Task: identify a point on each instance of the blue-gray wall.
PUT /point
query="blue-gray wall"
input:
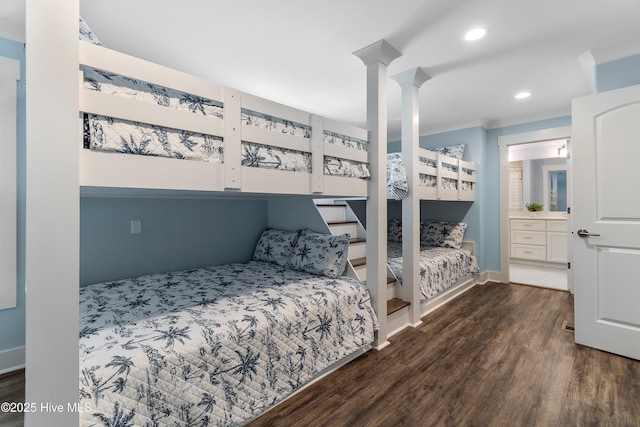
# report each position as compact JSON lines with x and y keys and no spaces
{"x":474,"y":139}
{"x":176,"y":234}
{"x":12,"y":326}
{"x":618,"y":74}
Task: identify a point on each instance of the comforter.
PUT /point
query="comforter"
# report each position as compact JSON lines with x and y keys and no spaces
{"x":439,"y":267}
{"x":212,"y":346}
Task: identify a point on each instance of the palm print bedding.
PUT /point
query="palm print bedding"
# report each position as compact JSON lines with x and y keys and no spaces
{"x":212,"y":346}
{"x":116,"y":135}
{"x":440,"y":268}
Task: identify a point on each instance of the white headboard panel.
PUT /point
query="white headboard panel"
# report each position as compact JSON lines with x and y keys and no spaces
{"x":469,"y":245}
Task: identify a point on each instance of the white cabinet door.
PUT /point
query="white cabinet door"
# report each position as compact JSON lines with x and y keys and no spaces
{"x":556,"y":246}
{"x":606,"y":221}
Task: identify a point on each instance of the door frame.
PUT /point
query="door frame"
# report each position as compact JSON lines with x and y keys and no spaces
{"x":504,"y":142}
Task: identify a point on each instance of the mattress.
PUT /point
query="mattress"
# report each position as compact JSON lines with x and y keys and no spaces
{"x":440,"y":268}
{"x":109,"y":134}
{"x":213,"y":346}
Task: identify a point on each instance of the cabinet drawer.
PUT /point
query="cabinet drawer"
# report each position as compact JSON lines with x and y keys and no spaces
{"x":560,"y":226}
{"x":528,"y":224}
{"x":529,"y":252}
{"x":529,"y":237}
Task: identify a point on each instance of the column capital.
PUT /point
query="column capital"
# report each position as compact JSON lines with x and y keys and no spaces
{"x":380,"y":51}
{"x":415,"y":76}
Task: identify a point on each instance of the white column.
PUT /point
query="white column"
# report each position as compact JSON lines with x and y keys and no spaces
{"x":410,"y":81}
{"x":377,"y":57}
{"x":9,"y":76}
{"x":52,"y":212}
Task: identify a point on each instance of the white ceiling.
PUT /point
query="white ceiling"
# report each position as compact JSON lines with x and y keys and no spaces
{"x":299,"y":52}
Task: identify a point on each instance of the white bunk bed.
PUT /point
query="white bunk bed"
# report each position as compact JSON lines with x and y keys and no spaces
{"x":440,"y":177}
{"x":145,"y":127}
{"x":235,"y":141}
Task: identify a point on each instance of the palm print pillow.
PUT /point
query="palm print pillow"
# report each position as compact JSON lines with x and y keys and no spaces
{"x":318,"y":253}
{"x":455,"y":151}
{"x":454,"y":233}
{"x":394,"y":230}
{"x":275,"y":246}
{"x":432,"y":233}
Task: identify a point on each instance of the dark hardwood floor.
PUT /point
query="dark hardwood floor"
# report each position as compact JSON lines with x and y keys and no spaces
{"x":11,"y":390}
{"x":495,"y":356}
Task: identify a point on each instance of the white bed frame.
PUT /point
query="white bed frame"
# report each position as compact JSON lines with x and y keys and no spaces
{"x":441,"y":172}
{"x":146,"y":172}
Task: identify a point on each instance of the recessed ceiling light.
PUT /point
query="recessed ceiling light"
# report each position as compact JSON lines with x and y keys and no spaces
{"x":475,"y":34}
{"x":523,"y":95}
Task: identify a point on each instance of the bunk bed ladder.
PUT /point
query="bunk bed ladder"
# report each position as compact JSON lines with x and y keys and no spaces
{"x":340,"y":219}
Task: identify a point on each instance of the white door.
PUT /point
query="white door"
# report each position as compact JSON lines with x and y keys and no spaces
{"x":606,"y":220}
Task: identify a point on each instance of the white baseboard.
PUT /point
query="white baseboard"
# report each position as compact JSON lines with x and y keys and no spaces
{"x":11,"y":360}
{"x":488,"y":276}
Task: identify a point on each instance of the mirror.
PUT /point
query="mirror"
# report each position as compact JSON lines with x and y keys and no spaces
{"x":555,"y":185}
{"x":538,"y":174}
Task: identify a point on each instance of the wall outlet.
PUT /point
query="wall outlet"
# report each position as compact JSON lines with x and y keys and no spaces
{"x":136,"y":226}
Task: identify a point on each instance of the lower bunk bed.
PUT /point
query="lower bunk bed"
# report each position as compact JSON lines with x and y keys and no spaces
{"x":218,"y":345}
{"x":447,"y":263}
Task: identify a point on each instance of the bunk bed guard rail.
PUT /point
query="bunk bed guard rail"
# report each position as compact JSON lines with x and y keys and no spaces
{"x":313,"y":137}
{"x":445,"y":178}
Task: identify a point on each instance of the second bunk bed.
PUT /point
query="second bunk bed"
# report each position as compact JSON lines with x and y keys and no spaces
{"x":446,"y":263}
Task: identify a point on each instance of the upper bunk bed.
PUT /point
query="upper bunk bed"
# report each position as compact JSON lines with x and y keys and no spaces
{"x":145,"y":126}
{"x":443,"y":175}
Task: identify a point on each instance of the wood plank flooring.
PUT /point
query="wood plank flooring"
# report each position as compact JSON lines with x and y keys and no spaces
{"x":495,"y":356}
{"x":12,"y":390}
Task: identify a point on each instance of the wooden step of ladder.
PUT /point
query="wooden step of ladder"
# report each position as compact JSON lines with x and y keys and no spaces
{"x":357,"y":262}
{"x":395,"y":304}
{"x":341,"y":227}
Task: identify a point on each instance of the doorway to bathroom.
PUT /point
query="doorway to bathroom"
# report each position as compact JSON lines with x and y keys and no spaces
{"x":535,"y":192}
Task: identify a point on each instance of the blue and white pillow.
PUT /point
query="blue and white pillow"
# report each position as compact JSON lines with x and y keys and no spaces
{"x":87,"y":35}
{"x":432,"y":233}
{"x":394,"y":230}
{"x":318,"y":253}
{"x":455,"y":151}
{"x":454,"y":234}
{"x":275,"y":246}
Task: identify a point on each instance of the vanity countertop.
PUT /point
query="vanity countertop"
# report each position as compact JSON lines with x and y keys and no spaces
{"x":539,"y":215}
